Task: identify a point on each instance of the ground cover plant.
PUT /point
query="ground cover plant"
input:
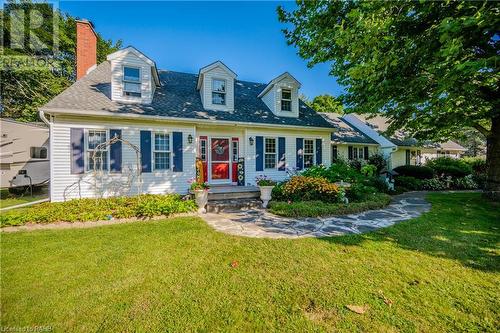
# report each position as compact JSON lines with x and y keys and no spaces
{"x":436,"y":273}
{"x":147,"y":205}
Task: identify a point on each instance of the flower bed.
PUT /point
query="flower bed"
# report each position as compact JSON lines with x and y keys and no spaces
{"x":320,"y":208}
{"x":83,"y":210}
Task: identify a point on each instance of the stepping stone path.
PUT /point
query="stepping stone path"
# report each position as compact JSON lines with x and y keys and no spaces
{"x":261,"y":224}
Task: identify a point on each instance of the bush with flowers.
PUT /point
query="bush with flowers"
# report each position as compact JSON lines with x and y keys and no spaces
{"x":303,"y":188}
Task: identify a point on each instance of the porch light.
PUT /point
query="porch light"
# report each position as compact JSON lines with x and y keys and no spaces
{"x":251,"y":141}
{"x":190,"y":139}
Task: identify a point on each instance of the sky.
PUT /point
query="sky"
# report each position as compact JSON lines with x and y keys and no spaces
{"x":185,"y":36}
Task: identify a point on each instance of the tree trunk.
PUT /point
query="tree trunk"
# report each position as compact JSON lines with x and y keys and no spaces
{"x":493,"y":160}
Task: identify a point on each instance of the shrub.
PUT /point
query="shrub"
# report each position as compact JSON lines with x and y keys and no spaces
{"x":464,"y":183}
{"x":416,"y":171}
{"x":378,"y":183}
{"x":319,"y":208}
{"x":478,"y":164}
{"x":410,"y":183}
{"x":450,"y":167}
{"x":368,"y":170}
{"x":434,"y":184}
{"x":357,"y":164}
{"x":336,"y":172}
{"x":379,"y":161}
{"x":302,"y":188}
{"x":359,"y":192}
{"x":147,"y":205}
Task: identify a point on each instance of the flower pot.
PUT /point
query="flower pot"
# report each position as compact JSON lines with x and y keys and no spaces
{"x":265,"y":194}
{"x":201,"y":198}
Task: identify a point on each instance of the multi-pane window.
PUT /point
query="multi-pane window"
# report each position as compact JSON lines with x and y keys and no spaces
{"x":38,"y":152}
{"x":203,"y":149}
{"x":360,"y":153}
{"x":335,"y":154}
{"x":219,"y":91}
{"x":97,"y":151}
{"x":162,"y":151}
{"x":270,"y":153}
{"x":354,"y":153}
{"x":286,"y":100}
{"x":308,"y":153}
{"x":132,"y":81}
{"x":234,"y":151}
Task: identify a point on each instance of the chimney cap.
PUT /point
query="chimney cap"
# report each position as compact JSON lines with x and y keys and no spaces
{"x":85,"y":21}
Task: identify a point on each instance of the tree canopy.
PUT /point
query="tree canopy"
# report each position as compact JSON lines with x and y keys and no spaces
{"x":326,"y":103}
{"x":431,"y":67}
{"x":25,"y":89}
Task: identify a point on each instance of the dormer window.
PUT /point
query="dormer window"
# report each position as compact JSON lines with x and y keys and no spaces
{"x":131,"y":81}
{"x":286,"y":100}
{"x":219,"y":92}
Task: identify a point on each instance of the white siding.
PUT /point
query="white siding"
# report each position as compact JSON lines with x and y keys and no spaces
{"x":273,"y":98}
{"x":290,"y":152}
{"x":206,"y":89}
{"x":147,"y":82}
{"x":116,"y":184}
{"x":343,"y":149}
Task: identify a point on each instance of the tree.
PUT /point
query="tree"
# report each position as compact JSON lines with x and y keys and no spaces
{"x":326,"y":103}
{"x":23,"y":90}
{"x":430,"y":67}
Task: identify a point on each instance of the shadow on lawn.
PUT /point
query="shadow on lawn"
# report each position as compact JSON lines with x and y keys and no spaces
{"x":460,"y":226}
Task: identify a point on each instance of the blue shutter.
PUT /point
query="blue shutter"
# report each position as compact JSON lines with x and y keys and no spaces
{"x":146,"y":151}
{"x":366,"y":153}
{"x":259,"y":151}
{"x":281,"y":153}
{"x":115,"y":151}
{"x":319,"y":151}
{"x":299,"y":143}
{"x":349,"y":153}
{"x":77,"y":151}
{"x":177,"y":143}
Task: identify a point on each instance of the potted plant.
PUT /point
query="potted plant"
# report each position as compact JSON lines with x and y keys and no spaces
{"x":200,"y":190}
{"x":266,"y":186}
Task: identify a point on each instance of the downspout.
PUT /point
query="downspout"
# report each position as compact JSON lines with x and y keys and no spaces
{"x":42,"y":116}
{"x":48,"y":123}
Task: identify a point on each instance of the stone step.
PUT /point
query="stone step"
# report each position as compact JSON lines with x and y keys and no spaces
{"x":219,"y":206}
{"x":233,"y":195}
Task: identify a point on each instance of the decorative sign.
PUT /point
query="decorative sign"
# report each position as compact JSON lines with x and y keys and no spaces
{"x":219,"y":150}
{"x":241,"y":171}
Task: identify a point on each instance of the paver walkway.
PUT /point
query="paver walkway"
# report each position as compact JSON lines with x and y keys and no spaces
{"x":259,"y":223}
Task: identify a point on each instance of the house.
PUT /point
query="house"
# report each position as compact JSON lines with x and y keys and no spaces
{"x":400,"y":149}
{"x":347,"y":142}
{"x":24,"y":153}
{"x":237,"y":129}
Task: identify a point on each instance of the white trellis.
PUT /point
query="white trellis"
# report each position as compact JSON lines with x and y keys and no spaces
{"x":102,"y":182}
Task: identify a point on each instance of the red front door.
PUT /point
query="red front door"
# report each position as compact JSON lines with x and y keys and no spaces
{"x":220,"y":162}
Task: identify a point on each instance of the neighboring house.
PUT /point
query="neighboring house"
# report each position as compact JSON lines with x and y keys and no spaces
{"x":348,"y":142}
{"x":238,"y":129}
{"x":23,"y":146}
{"x":400,"y":149}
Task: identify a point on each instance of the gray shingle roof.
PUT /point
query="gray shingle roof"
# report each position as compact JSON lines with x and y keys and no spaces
{"x":178,"y":97}
{"x":344,"y":131}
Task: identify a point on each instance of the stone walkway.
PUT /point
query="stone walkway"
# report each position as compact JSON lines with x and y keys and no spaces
{"x":261,"y":224}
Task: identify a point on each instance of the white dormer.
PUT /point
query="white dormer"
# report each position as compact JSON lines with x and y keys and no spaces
{"x":281,"y":96}
{"x":134,"y":76}
{"x":216,"y":86}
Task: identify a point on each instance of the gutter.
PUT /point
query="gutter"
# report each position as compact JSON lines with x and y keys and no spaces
{"x":42,"y":116}
{"x":175,"y":119}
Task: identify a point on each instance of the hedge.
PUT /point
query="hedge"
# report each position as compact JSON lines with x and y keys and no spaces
{"x":319,"y":208}
{"x":416,"y":171}
{"x":83,"y":210}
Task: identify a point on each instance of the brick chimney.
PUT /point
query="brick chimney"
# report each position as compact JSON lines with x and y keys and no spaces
{"x":86,"y":48}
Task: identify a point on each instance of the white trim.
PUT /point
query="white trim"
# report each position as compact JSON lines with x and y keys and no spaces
{"x":209,"y":67}
{"x":179,"y":120}
{"x":218,"y":92}
{"x":86,"y":163}
{"x":275,"y":152}
{"x":313,"y":152}
{"x":276,"y":80}
{"x":153,"y":150}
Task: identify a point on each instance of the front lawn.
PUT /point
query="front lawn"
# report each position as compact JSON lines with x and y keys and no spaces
{"x":437,"y":273}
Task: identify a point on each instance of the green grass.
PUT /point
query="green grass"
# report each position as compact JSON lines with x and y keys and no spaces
{"x":319,"y":208}
{"x":441,"y":272}
{"x":7,"y":199}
